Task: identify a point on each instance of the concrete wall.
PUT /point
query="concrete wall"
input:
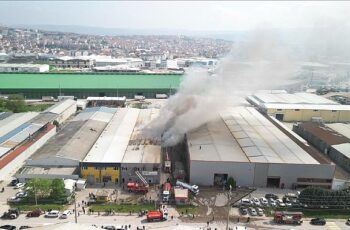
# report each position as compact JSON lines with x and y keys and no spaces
{"x":202,"y":172}
{"x":7,"y":171}
{"x":249,"y":174}
{"x":291,"y":115}
{"x":24,"y":177}
{"x":289,"y":173}
{"x":339,"y":159}
{"x":53,"y":161}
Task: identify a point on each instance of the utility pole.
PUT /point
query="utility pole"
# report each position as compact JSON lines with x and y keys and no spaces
{"x":75,"y":208}
{"x":228,"y":207}
{"x":35,"y":196}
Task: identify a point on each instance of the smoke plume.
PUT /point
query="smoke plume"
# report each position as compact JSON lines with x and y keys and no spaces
{"x":258,"y":63}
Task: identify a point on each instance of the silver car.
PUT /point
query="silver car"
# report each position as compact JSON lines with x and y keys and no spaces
{"x":252,"y":211}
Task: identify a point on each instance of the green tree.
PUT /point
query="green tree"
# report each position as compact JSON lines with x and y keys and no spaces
{"x":231,"y":182}
{"x":38,"y":188}
{"x":16,"y":103}
{"x":57,"y":189}
{"x":55,"y":123}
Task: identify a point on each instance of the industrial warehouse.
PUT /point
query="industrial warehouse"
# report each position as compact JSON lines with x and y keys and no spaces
{"x":60,"y":157}
{"x":244,"y":145}
{"x":83,"y":85}
{"x":21,"y":134}
{"x":121,"y":150}
{"x":299,"y":107}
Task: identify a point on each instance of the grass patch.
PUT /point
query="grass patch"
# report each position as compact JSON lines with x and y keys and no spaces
{"x":44,"y":207}
{"x":190,"y":209}
{"x":121,"y":208}
{"x":327,"y":214}
{"x":38,"y":107}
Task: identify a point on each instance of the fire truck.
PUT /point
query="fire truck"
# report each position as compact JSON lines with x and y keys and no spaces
{"x":166,"y":192}
{"x":294,"y":218}
{"x":157,"y":215}
{"x":138,"y":187}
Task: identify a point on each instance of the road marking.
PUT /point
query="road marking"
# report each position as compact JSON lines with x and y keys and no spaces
{"x":332,"y":226}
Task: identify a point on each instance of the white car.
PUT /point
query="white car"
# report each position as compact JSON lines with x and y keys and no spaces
{"x":280,"y":203}
{"x":260,"y":211}
{"x":245,"y":202}
{"x":21,"y":194}
{"x":264,"y":201}
{"x":288,"y":204}
{"x":19,"y":185}
{"x":65,"y":214}
{"x":256,"y":201}
{"x":52,"y":213}
{"x":272,"y":202}
{"x":252,"y":211}
{"x":14,"y":199}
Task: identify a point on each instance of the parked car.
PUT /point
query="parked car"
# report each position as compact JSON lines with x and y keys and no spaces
{"x":245,"y":202}
{"x":296,"y":204}
{"x":14,"y":199}
{"x":318,"y":221}
{"x":260,"y":211}
{"x":252,"y":211}
{"x":273,"y":196}
{"x":52,"y":214}
{"x":21,"y":194}
{"x":272,"y":202}
{"x":35,"y":213}
{"x":288,"y":204}
{"x":348,"y":222}
{"x":256,"y":201}
{"x":65,"y":214}
{"x":264,"y":201}
{"x":109,"y":227}
{"x":243,"y":210}
{"x":280,"y":203}
{"x":19,"y":185}
{"x":9,"y":227}
{"x":14,"y":182}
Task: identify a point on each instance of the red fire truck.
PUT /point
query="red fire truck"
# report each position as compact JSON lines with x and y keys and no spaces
{"x":294,"y":218}
{"x":136,"y":187}
{"x":157,"y":215}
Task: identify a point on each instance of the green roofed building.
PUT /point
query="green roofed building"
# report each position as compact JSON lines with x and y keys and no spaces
{"x":83,"y":85}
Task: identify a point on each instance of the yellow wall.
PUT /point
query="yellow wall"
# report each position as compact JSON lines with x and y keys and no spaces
{"x":99,"y":173}
{"x":290,"y":115}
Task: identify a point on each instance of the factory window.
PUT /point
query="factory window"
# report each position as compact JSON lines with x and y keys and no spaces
{"x":315,"y":110}
{"x":96,"y":168}
{"x":85,"y":167}
{"x":115,"y":168}
{"x":279,"y":109}
{"x":296,"y":109}
{"x":105,"y":168}
{"x":334,"y":111}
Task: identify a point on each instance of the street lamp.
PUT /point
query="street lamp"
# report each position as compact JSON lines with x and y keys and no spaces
{"x":228,"y":207}
{"x":75,"y":208}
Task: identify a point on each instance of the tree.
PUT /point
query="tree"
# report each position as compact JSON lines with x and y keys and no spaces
{"x":231,"y":182}
{"x":55,"y":123}
{"x":57,"y":189}
{"x":38,"y":188}
{"x":16,"y":103}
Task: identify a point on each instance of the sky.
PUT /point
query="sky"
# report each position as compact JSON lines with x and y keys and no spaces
{"x":175,"y":15}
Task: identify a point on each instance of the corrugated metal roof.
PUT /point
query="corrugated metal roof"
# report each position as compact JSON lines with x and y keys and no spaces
{"x":112,"y":143}
{"x":61,"y":106}
{"x":343,"y":129}
{"x":22,"y":133}
{"x":245,"y":135}
{"x":343,"y":148}
{"x":296,"y":98}
{"x":12,"y":122}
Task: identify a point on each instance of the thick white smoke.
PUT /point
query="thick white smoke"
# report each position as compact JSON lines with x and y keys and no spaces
{"x":259,"y":63}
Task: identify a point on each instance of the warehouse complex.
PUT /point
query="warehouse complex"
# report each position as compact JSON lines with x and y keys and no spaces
{"x":244,"y":145}
{"x":83,"y":85}
{"x":299,"y":107}
{"x":121,"y":150}
{"x":60,"y":157}
{"x":21,"y":134}
{"x":331,"y":139}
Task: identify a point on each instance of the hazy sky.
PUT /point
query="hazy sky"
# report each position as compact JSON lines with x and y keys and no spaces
{"x":210,"y":16}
